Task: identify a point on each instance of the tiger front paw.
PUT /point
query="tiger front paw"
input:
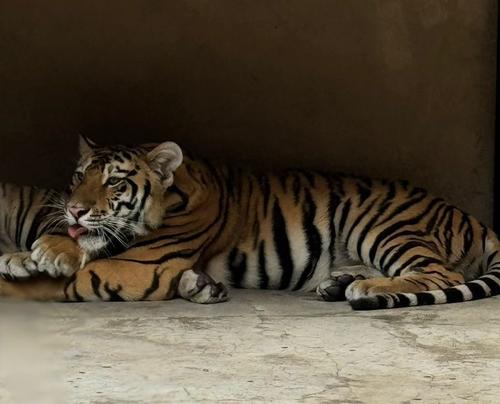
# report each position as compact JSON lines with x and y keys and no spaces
{"x":17,"y":266}
{"x":56,"y":255}
{"x":199,"y":287}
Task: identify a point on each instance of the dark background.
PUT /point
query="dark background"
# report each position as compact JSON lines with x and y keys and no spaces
{"x":394,"y":88}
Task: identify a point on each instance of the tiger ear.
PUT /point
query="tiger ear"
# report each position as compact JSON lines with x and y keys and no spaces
{"x":165,"y":158}
{"x":85,"y":145}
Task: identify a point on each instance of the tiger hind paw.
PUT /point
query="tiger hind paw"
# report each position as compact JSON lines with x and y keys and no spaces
{"x":333,"y":289}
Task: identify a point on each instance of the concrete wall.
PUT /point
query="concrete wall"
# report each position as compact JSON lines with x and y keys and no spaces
{"x":395,"y":88}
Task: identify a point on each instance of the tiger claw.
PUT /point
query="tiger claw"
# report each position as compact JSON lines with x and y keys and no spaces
{"x":56,"y":256}
{"x":17,"y":266}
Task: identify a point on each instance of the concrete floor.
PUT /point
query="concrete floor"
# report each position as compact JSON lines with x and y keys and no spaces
{"x":260,"y":346}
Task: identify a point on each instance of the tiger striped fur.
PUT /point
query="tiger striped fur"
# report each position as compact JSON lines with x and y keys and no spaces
{"x":149,"y":223}
{"x":25,"y":214}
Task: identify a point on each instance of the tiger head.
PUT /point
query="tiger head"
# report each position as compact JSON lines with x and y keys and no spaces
{"x":117,"y":193}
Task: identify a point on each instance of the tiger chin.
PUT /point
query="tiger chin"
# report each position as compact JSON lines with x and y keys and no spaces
{"x":153,"y":222}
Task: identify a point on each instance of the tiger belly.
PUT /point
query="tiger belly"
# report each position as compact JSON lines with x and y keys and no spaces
{"x":261,"y":269}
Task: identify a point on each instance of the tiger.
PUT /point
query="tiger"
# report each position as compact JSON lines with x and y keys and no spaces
{"x":154,"y":222}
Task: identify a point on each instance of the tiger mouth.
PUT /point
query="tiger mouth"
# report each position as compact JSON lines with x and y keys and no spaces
{"x":76,"y":231}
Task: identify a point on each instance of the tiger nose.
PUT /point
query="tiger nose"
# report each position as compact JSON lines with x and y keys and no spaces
{"x":78,"y":211}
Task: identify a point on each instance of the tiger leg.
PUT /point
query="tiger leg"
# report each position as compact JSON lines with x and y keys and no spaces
{"x":121,"y":280}
{"x":333,"y":289}
{"x":412,"y":280}
{"x":116,"y":278}
{"x":107,"y":279}
{"x":53,"y":255}
{"x":42,"y":288}
{"x":198,"y":287}
{"x":18,"y":265}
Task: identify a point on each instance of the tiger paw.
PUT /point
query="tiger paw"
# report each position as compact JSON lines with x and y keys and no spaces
{"x":56,"y":255}
{"x":200,"y":288}
{"x":369,"y":287}
{"x":334,"y":289}
{"x":17,"y":266}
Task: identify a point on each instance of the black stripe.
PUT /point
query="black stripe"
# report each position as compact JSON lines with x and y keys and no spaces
{"x":182,"y":205}
{"x":490,"y":259}
{"x":147,"y":192}
{"x":126,"y":154}
{"x":358,"y":220}
{"x":283,"y":179}
{"x":484,"y":236}
{"x":332,"y":209}
{"x":494,"y":286}
{"x":395,"y":226}
{"x":71,"y":282}
{"x":439,"y":227}
{"x":266,"y":192}
{"x":416,"y":283}
{"x":113,"y":294}
{"x":237,"y":265}
{"x":477,"y":290}
{"x":95,"y":281}
{"x":173,"y":240}
{"x":453,"y":295}
{"x":20,"y":211}
{"x":417,"y":190}
{"x":153,"y":287}
{"x":383,"y":302}
{"x":404,"y":248}
{"x":309,"y":176}
{"x":134,"y":187}
{"x":448,"y":233}
{"x":29,"y":206}
{"x":401,"y":300}
{"x":388,"y":251}
{"x":432,"y":222}
{"x":412,"y":233}
{"x":443,"y":217}
{"x":364,"y":192}
{"x":423,"y":261}
{"x":256,"y":233}
{"x":404,"y":207}
{"x":77,"y":296}
{"x":230,"y":181}
{"x":435,"y":283}
{"x":313,"y":240}
{"x":222,"y":214}
{"x":238,"y":184}
{"x":121,"y":204}
{"x":345,"y":212}
{"x":186,"y":253}
{"x":468,"y":238}
{"x":263,"y":277}
{"x":39,"y":218}
{"x":381,"y":209}
{"x":424,"y":298}
{"x":282,"y":245}
{"x":296,"y":187}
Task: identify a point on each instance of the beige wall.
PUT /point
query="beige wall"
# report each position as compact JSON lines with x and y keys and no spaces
{"x":395,"y":88}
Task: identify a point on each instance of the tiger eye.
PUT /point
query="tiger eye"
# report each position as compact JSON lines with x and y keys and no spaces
{"x":114,"y":181}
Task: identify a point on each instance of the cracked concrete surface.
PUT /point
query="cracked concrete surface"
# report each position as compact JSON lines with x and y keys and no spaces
{"x":260,"y":346}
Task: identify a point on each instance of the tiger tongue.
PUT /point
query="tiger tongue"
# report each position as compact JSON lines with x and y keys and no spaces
{"x":76,"y":231}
